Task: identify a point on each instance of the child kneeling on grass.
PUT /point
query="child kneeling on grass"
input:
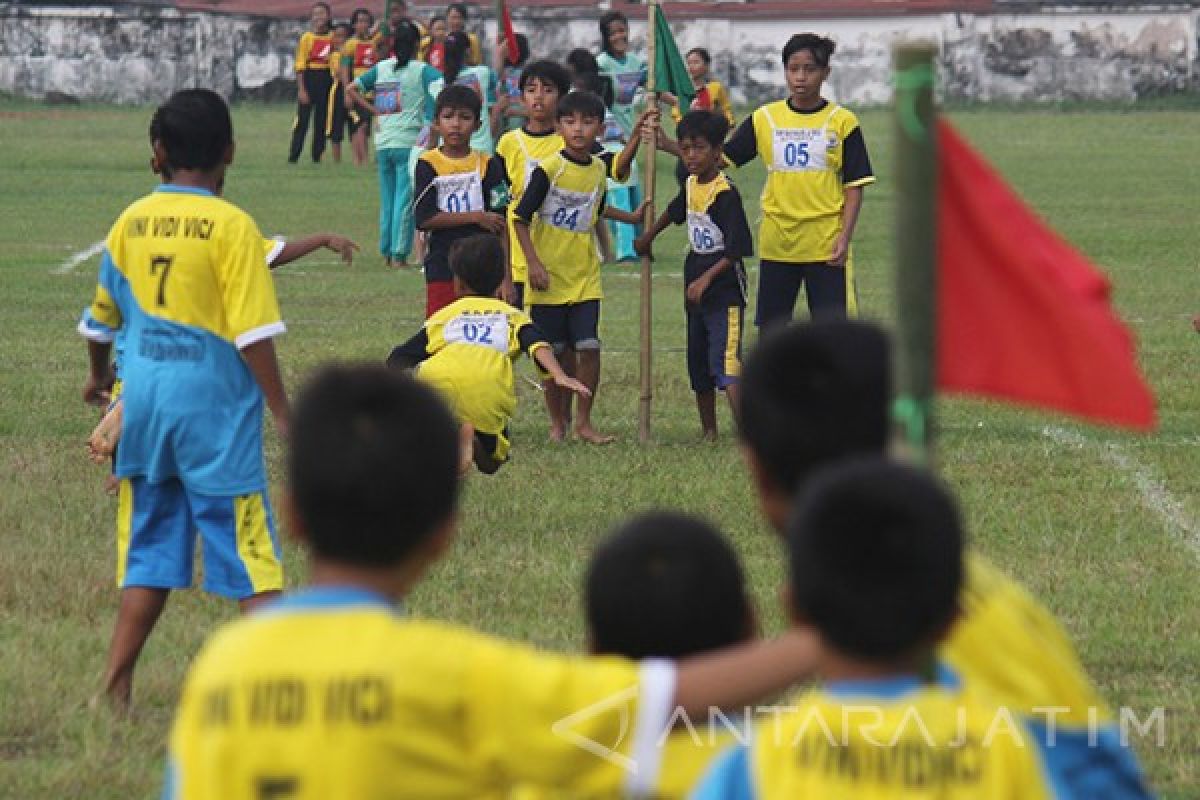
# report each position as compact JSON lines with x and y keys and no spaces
{"x":466,"y":350}
{"x":336,"y":691}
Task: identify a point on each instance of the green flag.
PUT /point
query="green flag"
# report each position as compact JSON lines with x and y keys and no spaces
{"x":670,"y":71}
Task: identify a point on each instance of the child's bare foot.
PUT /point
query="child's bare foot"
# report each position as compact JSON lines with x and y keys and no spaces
{"x":708,"y":436}
{"x":103,"y":440}
{"x":593,"y":436}
{"x":558,"y":433}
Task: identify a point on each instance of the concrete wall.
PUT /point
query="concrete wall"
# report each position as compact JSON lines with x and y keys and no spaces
{"x":140,"y":54}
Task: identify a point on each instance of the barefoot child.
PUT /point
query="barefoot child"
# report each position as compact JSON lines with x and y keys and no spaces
{"x":554,"y":222}
{"x":466,"y":350}
{"x":713,"y":276}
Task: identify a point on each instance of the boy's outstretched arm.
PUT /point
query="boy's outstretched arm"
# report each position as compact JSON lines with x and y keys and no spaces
{"x":298,"y":248}
{"x":411,"y":353}
{"x":646,"y":124}
{"x":260,"y":358}
{"x":641,"y":244}
{"x":850,"y":210}
{"x":735,"y":677}
{"x":544,"y":356}
{"x":634,"y":217}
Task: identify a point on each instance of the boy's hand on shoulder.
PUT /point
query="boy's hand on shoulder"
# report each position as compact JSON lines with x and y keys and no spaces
{"x":343,"y":247}
{"x":696,"y":289}
{"x":841,"y":250}
{"x":539,"y":278}
{"x":490,"y":221}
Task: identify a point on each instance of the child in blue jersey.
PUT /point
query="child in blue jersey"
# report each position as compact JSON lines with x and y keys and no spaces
{"x":713,"y":274}
{"x":184,"y":287}
{"x":403,"y":107}
{"x":875,"y":557}
{"x":814,"y":394}
{"x":381,"y":703}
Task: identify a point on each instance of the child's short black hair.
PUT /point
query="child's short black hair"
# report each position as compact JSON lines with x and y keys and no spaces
{"x":606,"y":21}
{"x":354,"y":15}
{"x":405,"y":38}
{"x":812,"y":394}
{"x":478,"y":261}
{"x":876,"y":558}
{"x":586,"y":104}
{"x":821,"y":47}
{"x":705,"y":125}
{"x":372,"y":464}
{"x":458,"y":97}
{"x":461,"y":8}
{"x":665,"y":585}
{"x":547,"y":71}
{"x":702,"y":52}
{"x":194,"y":128}
{"x":582,"y":62}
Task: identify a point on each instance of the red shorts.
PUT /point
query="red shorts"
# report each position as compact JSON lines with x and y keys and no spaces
{"x":438,"y":295}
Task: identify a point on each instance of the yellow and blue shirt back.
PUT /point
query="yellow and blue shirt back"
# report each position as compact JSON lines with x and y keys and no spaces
{"x":184,"y":285}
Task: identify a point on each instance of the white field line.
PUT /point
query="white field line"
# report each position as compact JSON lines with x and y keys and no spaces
{"x":74,"y":261}
{"x":1155,"y":495}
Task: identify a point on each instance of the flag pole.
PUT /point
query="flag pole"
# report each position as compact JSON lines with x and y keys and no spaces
{"x":916,"y":278}
{"x":648,"y":148}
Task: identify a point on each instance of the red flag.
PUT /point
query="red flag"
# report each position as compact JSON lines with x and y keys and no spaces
{"x":1021,"y":315}
{"x":510,"y":36}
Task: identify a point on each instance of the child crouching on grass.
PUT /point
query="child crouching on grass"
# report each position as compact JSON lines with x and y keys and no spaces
{"x":466,"y":350}
{"x":713,"y":276}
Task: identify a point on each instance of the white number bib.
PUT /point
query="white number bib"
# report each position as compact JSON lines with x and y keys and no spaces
{"x":703,"y":234}
{"x":486,"y":330}
{"x":460,"y":192}
{"x":567,"y":210}
{"x":799,"y":149}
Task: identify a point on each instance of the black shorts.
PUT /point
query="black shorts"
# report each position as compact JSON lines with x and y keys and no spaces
{"x":574,"y":325}
{"x":359,"y":118}
{"x":779,"y":285}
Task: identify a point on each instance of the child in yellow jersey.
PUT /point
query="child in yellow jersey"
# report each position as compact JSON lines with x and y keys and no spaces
{"x":711,"y":94}
{"x":542,"y":83}
{"x":875,"y":557}
{"x":337,"y":691}
{"x":818,"y":393}
{"x":466,"y":349}
{"x":555,"y":222}
{"x":460,"y":192}
{"x":817,"y":166}
{"x":360,"y":53}
{"x":314,"y":54}
{"x":183,"y":290}
{"x":713,"y":275}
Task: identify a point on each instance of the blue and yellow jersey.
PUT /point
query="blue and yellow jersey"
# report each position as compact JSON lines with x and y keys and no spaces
{"x":185,"y":286}
{"x":1007,"y":644}
{"x":811,"y":158}
{"x":466,"y":350}
{"x":522,"y":151}
{"x":315,"y":51}
{"x":890,"y":739}
{"x":717,"y":228}
{"x":334,"y":693}
{"x":442,"y":184}
{"x":561,"y":204}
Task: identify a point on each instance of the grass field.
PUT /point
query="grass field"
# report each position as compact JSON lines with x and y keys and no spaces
{"x":1104,"y":527}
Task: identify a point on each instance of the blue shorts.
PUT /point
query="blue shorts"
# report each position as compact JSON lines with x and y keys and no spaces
{"x":575,"y":325}
{"x":157,"y":524}
{"x":714,"y":347}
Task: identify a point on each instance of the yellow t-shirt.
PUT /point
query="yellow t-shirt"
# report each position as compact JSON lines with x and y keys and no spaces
{"x":804,"y":192}
{"x":471,"y":345}
{"x":883,"y":740}
{"x":521,"y":152}
{"x":359,"y":55}
{"x":334,"y":694}
{"x":562,"y":229}
{"x":314,"y":51}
